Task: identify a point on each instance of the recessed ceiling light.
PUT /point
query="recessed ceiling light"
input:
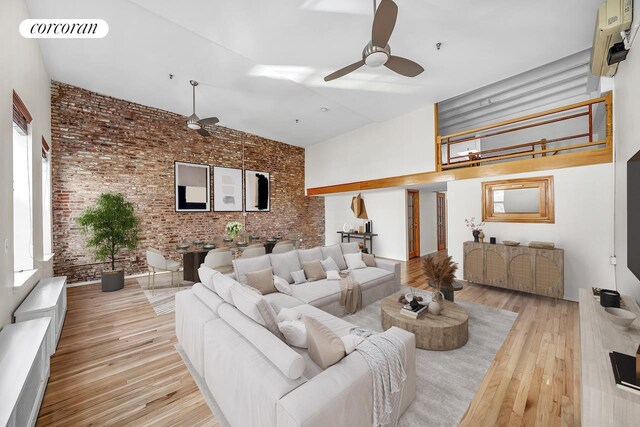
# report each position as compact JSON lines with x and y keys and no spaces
{"x":324,"y":109}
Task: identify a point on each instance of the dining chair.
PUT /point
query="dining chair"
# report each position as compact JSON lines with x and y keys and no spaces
{"x":283,"y":246}
{"x":156,"y":262}
{"x":220,"y":259}
{"x":295,"y":238}
{"x":253,"y":251}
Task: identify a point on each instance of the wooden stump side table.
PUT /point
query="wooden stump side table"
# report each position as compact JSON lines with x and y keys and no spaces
{"x":446,"y":331}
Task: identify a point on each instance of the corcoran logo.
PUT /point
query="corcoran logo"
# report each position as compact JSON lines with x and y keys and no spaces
{"x":64,"y":28}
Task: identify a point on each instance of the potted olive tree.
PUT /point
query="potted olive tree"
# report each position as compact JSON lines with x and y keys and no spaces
{"x":111,"y":225}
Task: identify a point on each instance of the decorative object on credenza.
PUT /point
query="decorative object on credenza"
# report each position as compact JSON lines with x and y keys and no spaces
{"x":625,"y":371}
{"x":347,"y":228}
{"x":368,"y":227}
{"x":542,"y":245}
{"x":492,"y":240}
{"x":227,"y":189}
{"x":620,"y":318}
{"x":233,"y":228}
{"x":440,"y":275}
{"x":481,"y":236}
{"x":257,"y":191}
{"x":476,"y":229}
{"x":111,"y":225}
{"x":609,"y":298}
{"x":510,"y":243}
{"x":192,"y":191}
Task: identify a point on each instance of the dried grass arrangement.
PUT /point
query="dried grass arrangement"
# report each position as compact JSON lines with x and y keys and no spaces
{"x":441,"y":274}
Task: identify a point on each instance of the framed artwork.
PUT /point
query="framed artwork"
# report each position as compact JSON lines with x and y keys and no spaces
{"x":227,"y":189}
{"x":192,"y":187}
{"x":257,"y":192}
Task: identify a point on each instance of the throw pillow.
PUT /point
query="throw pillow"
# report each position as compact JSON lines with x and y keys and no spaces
{"x":329,"y":265}
{"x":253,"y":305}
{"x":325,"y":347}
{"x":295,"y":333}
{"x":298,"y":277}
{"x":313,"y":270}
{"x":262,"y":280}
{"x":222,"y":284}
{"x":354,"y":261}
{"x":335,"y":252}
{"x":282,"y":285}
{"x":242,"y":266}
{"x":288,"y":314}
{"x":350,"y":342}
{"x":206,"y":276}
{"x":350,"y":247}
{"x":369,"y":260}
{"x":284,"y":264}
{"x":333,"y":275}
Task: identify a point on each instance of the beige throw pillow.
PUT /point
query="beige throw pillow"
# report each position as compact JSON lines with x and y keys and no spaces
{"x":325,"y":347}
{"x":313,"y":270}
{"x":262,"y":280}
{"x":369,"y":260}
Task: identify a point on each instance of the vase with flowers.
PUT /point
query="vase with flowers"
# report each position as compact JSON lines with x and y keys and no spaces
{"x":233,"y":228}
{"x":441,"y":275}
{"x":476,"y":229}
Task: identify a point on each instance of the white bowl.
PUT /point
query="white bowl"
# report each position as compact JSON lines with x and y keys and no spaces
{"x":426,"y":297}
{"x":620,"y":318}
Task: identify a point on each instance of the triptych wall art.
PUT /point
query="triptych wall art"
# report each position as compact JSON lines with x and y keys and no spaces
{"x":193,"y":192}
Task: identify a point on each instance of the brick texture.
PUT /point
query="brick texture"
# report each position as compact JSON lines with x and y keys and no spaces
{"x":103,"y":144}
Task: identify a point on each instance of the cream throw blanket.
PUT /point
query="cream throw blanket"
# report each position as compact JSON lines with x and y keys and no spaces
{"x":385,"y":354}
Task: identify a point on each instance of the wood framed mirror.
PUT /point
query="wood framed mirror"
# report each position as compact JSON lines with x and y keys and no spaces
{"x":518,"y":200}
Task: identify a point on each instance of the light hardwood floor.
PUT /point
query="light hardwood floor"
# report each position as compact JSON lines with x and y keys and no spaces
{"x":116,"y":363}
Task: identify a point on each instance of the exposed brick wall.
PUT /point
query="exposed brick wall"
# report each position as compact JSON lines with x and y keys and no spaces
{"x":103,"y":144}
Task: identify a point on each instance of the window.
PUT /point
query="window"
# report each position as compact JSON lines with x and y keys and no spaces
{"x":46,"y":199}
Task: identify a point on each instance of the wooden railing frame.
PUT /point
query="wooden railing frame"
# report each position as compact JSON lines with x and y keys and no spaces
{"x":607,"y":99}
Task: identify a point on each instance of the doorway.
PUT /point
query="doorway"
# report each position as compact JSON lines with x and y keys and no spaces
{"x":441,"y":220}
{"x":413,"y":223}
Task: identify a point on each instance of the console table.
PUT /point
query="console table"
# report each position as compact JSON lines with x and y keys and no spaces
{"x":602,"y":403}
{"x":365,"y":237}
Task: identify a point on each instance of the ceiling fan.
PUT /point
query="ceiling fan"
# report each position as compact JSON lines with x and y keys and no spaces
{"x":377,"y":52}
{"x":193,"y":121}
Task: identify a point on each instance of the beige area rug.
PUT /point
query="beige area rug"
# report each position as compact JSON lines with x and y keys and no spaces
{"x":163,"y":298}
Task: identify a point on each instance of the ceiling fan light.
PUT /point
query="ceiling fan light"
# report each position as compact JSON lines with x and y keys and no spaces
{"x":193,"y":122}
{"x":376,"y":59}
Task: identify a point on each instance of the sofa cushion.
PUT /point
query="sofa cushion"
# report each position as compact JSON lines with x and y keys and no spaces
{"x":339,"y":326}
{"x":253,"y":305}
{"x":313,"y":271}
{"x":329,"y":264}
{"x":289,"y":362}
{"x":206,"y":276}
{"x":242,"y":266}
{"x":262,"y":281}
{"x":284,"y":264}
{"x":207,"y":296}
{"x":369,"y":260}
{"x":298,"y":277}
{"x":279,"y":301}
{"x":307,"y":255}
{"x":370,"y":276}
{"x":282,"y":285}
{"x":325,"y":347}
{"x":333,"y":275}
{"x":295,"y":333}
{"x":313,"y":291}
{"x":354,"y":261}
{"x":335,"y":252}
{"x":350,"y":247}
{"x":222,"y":284}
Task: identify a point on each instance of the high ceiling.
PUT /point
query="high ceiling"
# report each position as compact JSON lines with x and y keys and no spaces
{"x":261,"y":63}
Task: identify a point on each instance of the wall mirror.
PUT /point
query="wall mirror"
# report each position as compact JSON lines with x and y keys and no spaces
{"x":518,"y":200}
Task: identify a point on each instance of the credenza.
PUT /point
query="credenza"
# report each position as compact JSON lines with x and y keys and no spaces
{"x":521,"y":268}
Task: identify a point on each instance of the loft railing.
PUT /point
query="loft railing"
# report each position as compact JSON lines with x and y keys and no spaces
{"x":447,"y":156}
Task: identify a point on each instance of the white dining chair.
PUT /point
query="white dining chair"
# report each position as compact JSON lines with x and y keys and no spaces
{"x":156,"y":262}
{"x":282,"y":247}
{"x":253,"y":251}
{"x":220,"y":259}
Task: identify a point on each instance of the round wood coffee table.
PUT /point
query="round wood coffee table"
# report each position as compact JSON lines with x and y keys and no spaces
{"x":446,"y":331}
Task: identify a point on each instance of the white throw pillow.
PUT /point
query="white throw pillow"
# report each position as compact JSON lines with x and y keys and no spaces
{"x":333,"y":275}
{"x":354,"y":261}
{"x":329,"y":265}
{"x":350,"y":342}
{"x":222,"y":285}
{"x":288,"y":314}
{"x":282,"y":285}
{"x":295,"y":333}
{"x":298,"y":277}
{"x":206,"y":276}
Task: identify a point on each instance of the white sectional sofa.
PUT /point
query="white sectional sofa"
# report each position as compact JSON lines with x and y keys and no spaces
{"x":259,"y":380}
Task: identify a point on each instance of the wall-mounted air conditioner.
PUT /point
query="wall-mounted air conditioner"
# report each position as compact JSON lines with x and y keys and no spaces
{"x":613,"y":18}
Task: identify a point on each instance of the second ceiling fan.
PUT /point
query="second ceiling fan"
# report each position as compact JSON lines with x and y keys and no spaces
{"x":377,"y":52}
{"x":196,"y":123}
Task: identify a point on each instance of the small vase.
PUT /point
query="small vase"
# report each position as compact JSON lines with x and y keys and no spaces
{"x":481,"y":236}
{"x":476,"y":235}
{"x":434,"y":308}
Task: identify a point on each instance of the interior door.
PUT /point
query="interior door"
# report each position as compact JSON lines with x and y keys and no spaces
{"x":413,"y":223}
{"x":441,"y":215}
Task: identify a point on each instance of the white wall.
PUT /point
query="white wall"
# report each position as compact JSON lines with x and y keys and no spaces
{"x":428,"y":222}
{"x":23,"y":70}
{"x":400,"y":146}
{"x":387,"y":209}
{"x":583,"y":223}
{"x":626,"y":101}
